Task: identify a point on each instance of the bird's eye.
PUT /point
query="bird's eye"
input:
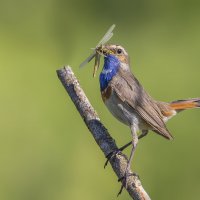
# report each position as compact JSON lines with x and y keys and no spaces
{"x":119,"y":51}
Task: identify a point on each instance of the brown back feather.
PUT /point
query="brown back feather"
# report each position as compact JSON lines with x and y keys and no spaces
{"x":129,"y":90}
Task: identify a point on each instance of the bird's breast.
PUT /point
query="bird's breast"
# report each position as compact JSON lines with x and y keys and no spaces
{"x":119,"y":109}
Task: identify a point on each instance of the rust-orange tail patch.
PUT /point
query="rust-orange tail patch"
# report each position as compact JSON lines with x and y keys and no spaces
{"x":180,"y":105}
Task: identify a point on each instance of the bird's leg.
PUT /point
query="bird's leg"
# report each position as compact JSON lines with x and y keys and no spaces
{"x":144,"y":133}
{"x":134,"y":143}
{"x":113,"y":153}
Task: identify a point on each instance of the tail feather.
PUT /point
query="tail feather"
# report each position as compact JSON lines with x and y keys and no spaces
{"x":180,"y":105}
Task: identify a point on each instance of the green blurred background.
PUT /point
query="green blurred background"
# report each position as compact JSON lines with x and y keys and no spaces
{"x":46,"y":152}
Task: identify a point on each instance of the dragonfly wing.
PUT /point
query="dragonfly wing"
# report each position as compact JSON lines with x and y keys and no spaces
{"x":87,"y":60}
{"x":108,"y":34}
{"x":105,"y":39}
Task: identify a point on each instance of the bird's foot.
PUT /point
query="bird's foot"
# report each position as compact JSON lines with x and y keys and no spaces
{"x":111,"y":155}
{"x":115,"y":152}
{"x":124,"y":180}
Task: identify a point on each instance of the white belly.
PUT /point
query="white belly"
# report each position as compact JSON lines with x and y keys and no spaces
{"x":125,"y":113}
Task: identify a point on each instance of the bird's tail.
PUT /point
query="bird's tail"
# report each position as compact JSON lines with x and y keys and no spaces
{"x":181,"y":105}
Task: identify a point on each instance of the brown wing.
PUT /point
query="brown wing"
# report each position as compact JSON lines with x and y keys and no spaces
{"x":131,"y":92}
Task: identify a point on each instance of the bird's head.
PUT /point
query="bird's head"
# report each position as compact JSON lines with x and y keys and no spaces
{"x":118,"y":52}
{"x":115,"y":59}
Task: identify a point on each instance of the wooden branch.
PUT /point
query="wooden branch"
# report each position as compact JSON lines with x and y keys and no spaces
{"x":100,"y":133}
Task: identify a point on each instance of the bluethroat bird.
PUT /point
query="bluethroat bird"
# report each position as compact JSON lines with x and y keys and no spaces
{"x":127,"y":100}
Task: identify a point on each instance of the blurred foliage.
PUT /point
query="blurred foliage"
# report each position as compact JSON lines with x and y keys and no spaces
{"x":46,"y":152}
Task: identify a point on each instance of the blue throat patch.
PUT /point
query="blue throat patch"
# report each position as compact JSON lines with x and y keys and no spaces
{"x":110,"y":69}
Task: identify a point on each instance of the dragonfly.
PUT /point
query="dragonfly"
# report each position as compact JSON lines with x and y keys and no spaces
{"x":96,"y":51}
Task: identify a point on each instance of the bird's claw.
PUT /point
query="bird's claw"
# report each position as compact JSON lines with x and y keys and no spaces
{"x":110,"y":156}
{"x":124,"y":179}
